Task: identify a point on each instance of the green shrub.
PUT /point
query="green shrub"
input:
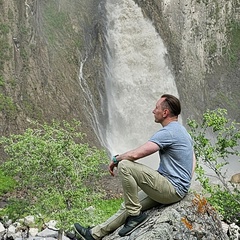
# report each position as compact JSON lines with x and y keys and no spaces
{"x":51,"y":165}
{"x":216,"y":139}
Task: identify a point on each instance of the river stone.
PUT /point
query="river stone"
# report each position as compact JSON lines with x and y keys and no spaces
{"x":235,"y":178}
{"x":192,"y":218}
{"x":48,"y":233}
{"x":2,"y":229}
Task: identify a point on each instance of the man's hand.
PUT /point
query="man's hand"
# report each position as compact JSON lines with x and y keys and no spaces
{"x":111,"y":167}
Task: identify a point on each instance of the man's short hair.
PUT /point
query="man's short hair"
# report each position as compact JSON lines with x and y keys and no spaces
{"x":172,"y":103}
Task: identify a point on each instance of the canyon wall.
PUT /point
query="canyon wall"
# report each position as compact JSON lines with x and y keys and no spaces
{"x":52,"y":58}
{"x":202,"y":38}
{"x":49,"y":50}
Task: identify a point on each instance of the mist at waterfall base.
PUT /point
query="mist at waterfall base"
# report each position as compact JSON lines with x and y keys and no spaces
{"x":136,"y":76}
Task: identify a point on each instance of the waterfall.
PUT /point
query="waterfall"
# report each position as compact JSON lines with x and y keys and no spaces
{"x":136,"y":76}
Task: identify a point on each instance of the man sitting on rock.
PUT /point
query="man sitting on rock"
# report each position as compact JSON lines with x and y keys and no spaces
{"x":169,"y":184}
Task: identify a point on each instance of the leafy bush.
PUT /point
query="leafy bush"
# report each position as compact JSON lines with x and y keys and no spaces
{"x":51,"y":165}
{"x":216,"y":139}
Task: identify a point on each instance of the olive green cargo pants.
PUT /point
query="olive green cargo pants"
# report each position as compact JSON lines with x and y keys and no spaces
{"x":155,"y":190}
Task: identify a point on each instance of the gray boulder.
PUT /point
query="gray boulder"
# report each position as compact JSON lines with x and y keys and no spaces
{"x":192,"y":218}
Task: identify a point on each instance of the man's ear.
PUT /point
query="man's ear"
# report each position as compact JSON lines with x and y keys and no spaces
{"x":165,"y":112}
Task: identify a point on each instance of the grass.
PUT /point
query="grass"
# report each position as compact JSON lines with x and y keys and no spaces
{"x":7,"y":183}
{"x":106,"y":208}
{"x":102,"y":209}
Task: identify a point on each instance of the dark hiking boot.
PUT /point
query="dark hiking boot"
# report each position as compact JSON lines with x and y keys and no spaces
{"x":83,"y":232}
{"x":132,"y":222}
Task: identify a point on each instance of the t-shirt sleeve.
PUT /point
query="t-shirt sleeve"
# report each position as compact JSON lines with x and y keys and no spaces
{"x":162,"y":138}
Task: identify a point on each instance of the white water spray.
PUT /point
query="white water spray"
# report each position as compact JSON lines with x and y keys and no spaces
{"x":137,"y":75}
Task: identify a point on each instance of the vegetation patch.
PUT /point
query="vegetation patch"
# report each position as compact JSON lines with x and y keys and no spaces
{"x":216,"y":139}
{"x":4,"y":29}
{"x":7,"y":106}
{"x":51,"y":164}
{"x":56,"y":22}
{"x":234,"y":48}
{"x":7,"y":183}
{"x":1,"y":81}
{"x":4,"y":47}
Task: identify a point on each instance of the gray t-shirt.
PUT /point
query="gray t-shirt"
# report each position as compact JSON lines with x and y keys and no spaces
{"x":176,"y":155}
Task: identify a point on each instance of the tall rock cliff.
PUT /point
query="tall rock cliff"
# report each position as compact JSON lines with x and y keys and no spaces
{"x":52,"y":58}
{"x":202,"y":38}
{"x":49,"y":51}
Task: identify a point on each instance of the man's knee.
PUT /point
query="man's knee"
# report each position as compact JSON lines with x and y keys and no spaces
{"x":124,"y":164}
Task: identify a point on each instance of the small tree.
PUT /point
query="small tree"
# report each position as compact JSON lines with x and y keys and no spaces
{"x":51,"y":165}
{"x":216,"y":139}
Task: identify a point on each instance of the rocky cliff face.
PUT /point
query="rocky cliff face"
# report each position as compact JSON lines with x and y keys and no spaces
{"x":52,"y":58}
{"x":45,"y":47}
{"x":202,"y":38}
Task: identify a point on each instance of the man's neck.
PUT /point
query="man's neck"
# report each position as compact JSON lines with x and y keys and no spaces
{"x":169,"y":120}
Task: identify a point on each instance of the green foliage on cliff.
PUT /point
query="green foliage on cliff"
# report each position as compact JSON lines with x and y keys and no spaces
{"x":4,"y":46}
{"x":234,"y":36}
{"x":7,"y":107}
{"x":56,"y":22}
{"x":58,"y":26}
{"x":216,"y":139}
